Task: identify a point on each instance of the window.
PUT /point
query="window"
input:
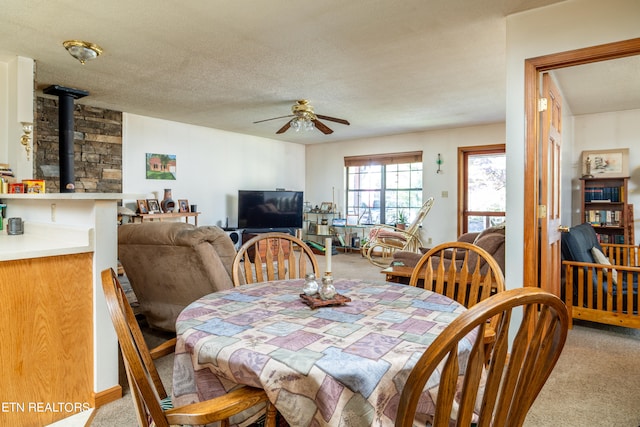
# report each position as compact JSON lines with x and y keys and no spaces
{"x":383,"y":188}
{"x":482,"y":184}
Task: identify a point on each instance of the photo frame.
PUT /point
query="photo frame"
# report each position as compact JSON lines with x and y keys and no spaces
{"x":153,"y":205}
{"x":612,"y":163}
{"x":142,"y":207}
{"x":326,"y":207}
{"x":183,"y":205}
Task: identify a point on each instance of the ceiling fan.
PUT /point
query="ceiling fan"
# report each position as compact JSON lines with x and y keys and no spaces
{"x":305,"y":119}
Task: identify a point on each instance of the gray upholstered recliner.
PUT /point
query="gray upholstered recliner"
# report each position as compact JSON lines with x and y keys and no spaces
{"x":171,"y":264}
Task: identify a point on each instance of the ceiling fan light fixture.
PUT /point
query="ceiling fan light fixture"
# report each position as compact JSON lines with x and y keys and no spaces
{"x":81,"y":50}
{"x":303,"y":122}
{"x":304,"y":119}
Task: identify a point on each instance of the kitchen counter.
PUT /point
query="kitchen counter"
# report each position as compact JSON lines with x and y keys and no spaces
{"x":41,"y":240}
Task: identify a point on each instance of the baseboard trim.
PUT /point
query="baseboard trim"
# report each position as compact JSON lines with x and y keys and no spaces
{"x":105,"y":396}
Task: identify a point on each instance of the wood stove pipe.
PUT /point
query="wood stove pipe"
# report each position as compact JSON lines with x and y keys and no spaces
{"x":66,"y":129}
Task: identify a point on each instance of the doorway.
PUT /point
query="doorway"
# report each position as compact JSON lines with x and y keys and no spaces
{"x":535,"y":267}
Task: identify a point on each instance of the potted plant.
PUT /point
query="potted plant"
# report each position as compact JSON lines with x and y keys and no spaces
{"x":401,"y":220}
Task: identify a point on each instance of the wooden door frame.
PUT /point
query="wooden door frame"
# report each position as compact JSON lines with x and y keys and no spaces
{"x":533,"y":67}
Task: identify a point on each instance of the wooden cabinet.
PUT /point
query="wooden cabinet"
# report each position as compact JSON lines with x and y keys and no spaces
{"x":604,"y":205}
{"x":47,"y":338}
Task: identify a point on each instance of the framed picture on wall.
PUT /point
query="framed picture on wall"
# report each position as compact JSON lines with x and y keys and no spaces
{"x":612,"y":163}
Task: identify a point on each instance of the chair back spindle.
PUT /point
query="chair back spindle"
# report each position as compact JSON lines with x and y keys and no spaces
{"x":271,"y":256}
{"x":509,"y":384}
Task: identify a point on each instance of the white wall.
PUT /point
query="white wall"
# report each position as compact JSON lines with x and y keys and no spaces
{"x":557,"y":28}
{"x":4,"y":110}
{"x":608,"y":131}
{"x":16,"y":105}
{"x":212,"y":165}
{"x":326,"y":176}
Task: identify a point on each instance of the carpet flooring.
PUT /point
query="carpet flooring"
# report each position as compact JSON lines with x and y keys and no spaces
{"x":595,"y":383}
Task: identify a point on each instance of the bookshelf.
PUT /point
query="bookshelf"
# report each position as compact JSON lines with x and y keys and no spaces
{"x":320,"y":225}
{"x":604,"y":205}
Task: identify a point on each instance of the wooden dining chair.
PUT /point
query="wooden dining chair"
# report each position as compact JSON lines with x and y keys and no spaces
{"x":271,"y":256}
{"x":386,"y":239}
{"x":507,"y":388}
{"x":153,"y":406}
{"x":463,"y":272}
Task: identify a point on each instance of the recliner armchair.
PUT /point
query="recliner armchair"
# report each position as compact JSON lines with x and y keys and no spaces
{"x":171,"y":264}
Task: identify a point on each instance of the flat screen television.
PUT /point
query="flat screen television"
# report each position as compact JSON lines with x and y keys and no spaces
{"x":269,"y":209}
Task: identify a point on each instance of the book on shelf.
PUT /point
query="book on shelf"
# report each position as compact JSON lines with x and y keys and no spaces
{"x":604,"y":194}
{"x":603,"y":217}
{"x":5,"y":169}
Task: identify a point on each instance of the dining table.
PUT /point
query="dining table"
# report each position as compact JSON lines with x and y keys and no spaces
{"x":335,"y":365}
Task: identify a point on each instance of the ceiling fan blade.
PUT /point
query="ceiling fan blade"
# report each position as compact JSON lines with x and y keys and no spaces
{"x":274,"y":118}
{"x":333,"y":119}
{"x":322,"y":127}
{"x":284,"y":128}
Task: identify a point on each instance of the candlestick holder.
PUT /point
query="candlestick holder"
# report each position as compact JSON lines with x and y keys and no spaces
{"x":326,"y":295}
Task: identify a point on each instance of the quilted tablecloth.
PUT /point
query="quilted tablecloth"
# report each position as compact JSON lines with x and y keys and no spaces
{"x":334,"y":366}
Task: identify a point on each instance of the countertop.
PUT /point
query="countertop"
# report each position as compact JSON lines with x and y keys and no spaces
{"x":42,"y":240}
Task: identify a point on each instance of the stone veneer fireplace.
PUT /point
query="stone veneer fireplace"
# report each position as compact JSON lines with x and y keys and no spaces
{"x":97,"y":147}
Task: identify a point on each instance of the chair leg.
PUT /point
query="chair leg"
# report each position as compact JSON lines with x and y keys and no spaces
{"x":271,"y":415}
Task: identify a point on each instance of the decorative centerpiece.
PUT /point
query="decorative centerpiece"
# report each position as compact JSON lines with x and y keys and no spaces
{"x":326,"y":294}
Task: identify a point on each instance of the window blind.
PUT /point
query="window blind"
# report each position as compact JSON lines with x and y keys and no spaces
{"x":383,"y":159}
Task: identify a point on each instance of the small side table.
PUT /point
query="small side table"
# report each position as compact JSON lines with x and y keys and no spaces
{"x":398,"y":274}
{"x":161,"y":216}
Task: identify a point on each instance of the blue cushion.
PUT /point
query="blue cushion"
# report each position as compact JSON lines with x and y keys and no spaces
{"x":577,"y":243}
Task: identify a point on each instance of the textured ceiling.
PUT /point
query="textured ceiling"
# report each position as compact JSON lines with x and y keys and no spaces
{"x":388,"y":67}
